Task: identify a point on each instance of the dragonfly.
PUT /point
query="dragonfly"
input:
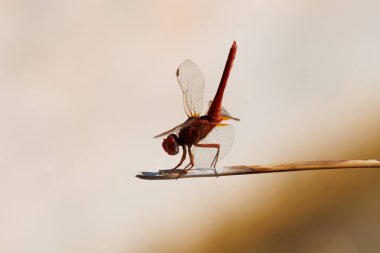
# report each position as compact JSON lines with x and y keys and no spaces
{"x":205,"y":138}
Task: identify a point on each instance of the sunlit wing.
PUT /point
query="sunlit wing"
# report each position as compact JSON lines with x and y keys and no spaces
{"x":191,"y":81}
{"x":223,"y":135}
{"x":225,"y":114}
{"x":176,"y":129}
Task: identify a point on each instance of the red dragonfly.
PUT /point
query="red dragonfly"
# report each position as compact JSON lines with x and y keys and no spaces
{"x":206,"y":139}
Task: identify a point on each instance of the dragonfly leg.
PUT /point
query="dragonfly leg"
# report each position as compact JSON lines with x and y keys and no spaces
{"x":182,"y":158}
{"x":191,"y":164}
{"x":215,"y":160}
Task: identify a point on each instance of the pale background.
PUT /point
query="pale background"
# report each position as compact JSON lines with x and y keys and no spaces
{"x":84,"y":85}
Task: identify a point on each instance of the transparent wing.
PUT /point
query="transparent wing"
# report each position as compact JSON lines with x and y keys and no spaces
{"x":223,"y":135}
{"x":191,"y":81}
{"x":176,"y":129}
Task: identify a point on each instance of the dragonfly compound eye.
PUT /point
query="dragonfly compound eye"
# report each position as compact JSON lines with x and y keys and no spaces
{"x":170,"y":145}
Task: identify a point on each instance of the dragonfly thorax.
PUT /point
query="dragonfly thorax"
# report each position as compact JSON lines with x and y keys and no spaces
{"x":196,"y":131}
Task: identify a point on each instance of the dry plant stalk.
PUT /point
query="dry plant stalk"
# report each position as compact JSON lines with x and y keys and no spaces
{"x":255,"y":169}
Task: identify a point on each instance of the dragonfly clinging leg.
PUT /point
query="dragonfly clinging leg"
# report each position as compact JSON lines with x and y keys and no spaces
{"x":191,"y":164}
{"x":211,"y":145}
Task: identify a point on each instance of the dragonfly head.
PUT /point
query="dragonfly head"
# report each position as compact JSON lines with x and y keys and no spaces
{"x":170,"y":144}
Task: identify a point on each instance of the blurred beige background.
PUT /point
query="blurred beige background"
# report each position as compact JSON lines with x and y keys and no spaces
{"x":85,"y":85}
